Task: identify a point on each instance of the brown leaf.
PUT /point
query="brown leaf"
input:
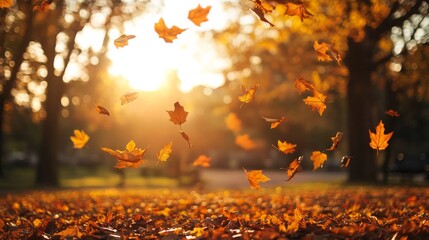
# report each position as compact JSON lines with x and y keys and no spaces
{"x":203,"y":161}
{"x":285,"y":147}
{"x":122,"y":41}
{"x":318,"y":159}
{"x":379,"y":140}
{"x":186,"y":137}
{"x":168,"y":34}
{"x":102,"y":110}
{"x":392,"y":113}
{"x":294,"y":167}
{"x":199,"y":14}
{"x":260,"y":8}
{"x":79,"y":139}
{"x":129,"y":97}
{"x":255,"y":177}
{"x":335,"y":140}
{"x":274,"y":122}
{"x":297,"y":9}
{"x":179,"y":115}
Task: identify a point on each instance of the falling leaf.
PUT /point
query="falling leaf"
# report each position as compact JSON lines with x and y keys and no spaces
{"x":318,"y":159}
{"x":297,"y":9}
{"x":321,"y":50}
{"x":260,"y":8}
{"x":165,"y":152}
{"x":130,"y":157}
{"x":129,"y":97}
{"x":203,"y":161}
{"x":199,"y":14}
{"x":122,"y":41}
{"x":245,"y":142}
{"x":317,"y":101}
{"x":285,"y":147}
{"x":233,"y":123}
{"x":379,"y":139}
{"x":248,"y":95}
{"x":178,"y":116}
{"x":42,"y":7}
{"x":336,"y":54}
{"x":79,"y":139}
{"x":186,"y":137}
{"x":294,"y":167}
{"x":255,"y":177}
{"x":392,"y":113}
{"x":6,"y":3}
{"x":168,"y":34}
{"x":302,"y":85}
{"x":335,"y":140}
{"x":102,"y":110}
{"x":345,"y":161}
{"x":274,"y":122}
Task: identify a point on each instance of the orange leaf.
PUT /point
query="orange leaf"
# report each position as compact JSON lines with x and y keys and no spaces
{"x":186,"y":137}
{"x":198,"y":15}
{"x":122,"y":41}
{"x":316,"y":102}
{"x":392,"y":113}
{"x":130,"y":157}
{"x":379,"y":139}
{"x":345,"y":161}
{"x":285,"y":147}
{"x":335,"y":140}
{"x":248,"y":95}
{"x":274,"y":122}
{"x":321,"y":50}
{"x":202,"y":161}
{"x":245,"y":142}
{"x":294,"y":167}
{"x":7,"y":3}
{"x":72,"y":231}
{"x":102,"y":110}
{"x":79,"y":139}
{"x":129,"y":97}
{"x":179,"y":115}
{"x":165,"y":152}
{"x":302,"y":85}
{"x":260,"y":8}
{"x":297,"y":9}
{"x":168,"y":34}
{"x":233,"y":122}
{"x":318,"y":159}
{"x":255,"y":177}
{"x":42,"y":7}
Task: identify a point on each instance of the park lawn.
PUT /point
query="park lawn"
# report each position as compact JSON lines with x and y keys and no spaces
{"x":321,"y":211}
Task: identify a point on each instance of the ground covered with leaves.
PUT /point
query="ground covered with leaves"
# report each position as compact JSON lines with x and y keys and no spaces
{"x":299,"y":212}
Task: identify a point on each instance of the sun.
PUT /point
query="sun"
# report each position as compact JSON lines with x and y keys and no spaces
{"x":147,"y":60}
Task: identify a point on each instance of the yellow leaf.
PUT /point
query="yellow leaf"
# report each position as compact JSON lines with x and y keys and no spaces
{"x":168,"y":34}
{"x":316,"y":102}
{"x":318,"y":159}
{"x":321,"y":50}
{"x":379,"y":140}
{"x":131,"y":145}
{"x":79,"y":139}
{"x":297,"y":9}
{"x":199,"y":14}
{"x":122,"y":41}
{"x":203,"y":161}
{"x":285,"y":147}
{"x":165,"y":152}
{"x":255,"y":177}
{"x":249,"y":94}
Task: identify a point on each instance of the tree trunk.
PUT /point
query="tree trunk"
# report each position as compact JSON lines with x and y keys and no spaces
{"x":360,"y":105}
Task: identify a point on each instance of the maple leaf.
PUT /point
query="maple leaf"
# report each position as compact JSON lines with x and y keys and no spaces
{"x":179,"y":115}
{"x":321,"y":50}
{"x":168,"y":34}
{"x":6,"y":3}
{"x":285,"y":147}
{"x":43,"y":6}
{"x":129,"y":97}
{"x":318,"y":159}
{"x":233,"y":123}
{"x":248,"y":95}
{"x":317,"y":101}
{"x":122,"y":41}
{"x":345,"y":161}
{"x":260,"y":8}
{"x":203,"y":161}
{"x":255,"y":177}
{"x":186,"y":137}
{"x":392,"y":113}
{"x":297,"y":9}
{"x":165,"y":152}
{"x":102,"y":110}
{"x":379,"y":139}
{"x":335,"y":140}
{"x":294,"y":167}
{"x":245,"y":142}
{"x":199,"y":14}
{"x":130,"y":157}
{"x":274,"y":122}
{"x":79,"y":139}
{"x":302,"y":85}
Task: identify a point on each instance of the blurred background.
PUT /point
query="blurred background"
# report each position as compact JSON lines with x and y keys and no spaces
{"x":57,"y":65}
